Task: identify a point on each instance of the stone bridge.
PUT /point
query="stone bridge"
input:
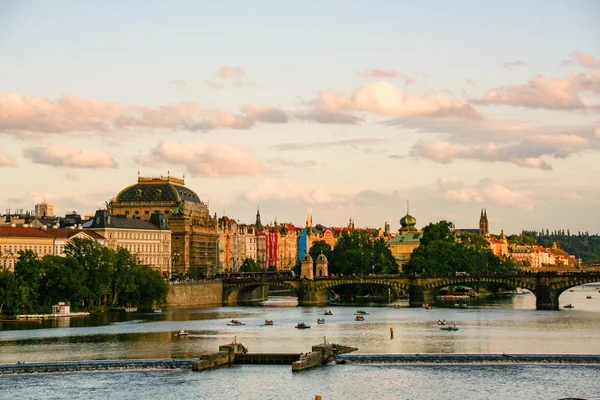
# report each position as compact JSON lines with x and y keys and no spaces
{"x":547,"y":287}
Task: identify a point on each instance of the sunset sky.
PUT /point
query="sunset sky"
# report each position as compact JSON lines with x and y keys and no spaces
{"x":350,"y":109}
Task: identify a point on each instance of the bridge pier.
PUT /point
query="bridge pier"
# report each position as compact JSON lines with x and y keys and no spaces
{"x":417,"y":296}
{"x":546,"y":298}
{"x":309,"y":296}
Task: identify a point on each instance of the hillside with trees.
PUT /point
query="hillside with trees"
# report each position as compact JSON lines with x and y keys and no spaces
{"x":581,"y":244}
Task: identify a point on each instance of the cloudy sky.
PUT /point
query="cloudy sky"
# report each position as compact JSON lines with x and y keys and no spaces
{"x":350,"y":109}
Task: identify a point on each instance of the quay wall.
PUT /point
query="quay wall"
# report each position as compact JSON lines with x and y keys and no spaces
{"x":201,"y":293}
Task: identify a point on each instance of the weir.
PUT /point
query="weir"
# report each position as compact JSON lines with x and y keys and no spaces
{"x":236,"y":353}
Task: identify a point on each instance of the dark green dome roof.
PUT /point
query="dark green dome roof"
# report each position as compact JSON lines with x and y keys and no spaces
{"x":155,"y":190}
{"x":408,"y":220}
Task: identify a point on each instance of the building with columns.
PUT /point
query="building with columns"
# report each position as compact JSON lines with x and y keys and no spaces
{"x":194,"y":235}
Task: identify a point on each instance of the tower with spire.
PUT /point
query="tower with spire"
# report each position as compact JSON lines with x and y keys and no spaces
{"x":483,"y":223}
{"x":258,"y":225}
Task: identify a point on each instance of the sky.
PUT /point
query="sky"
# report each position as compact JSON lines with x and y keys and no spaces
{"x":349,"y":109}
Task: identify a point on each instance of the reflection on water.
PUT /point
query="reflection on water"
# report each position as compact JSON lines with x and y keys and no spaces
{"x":490,"y":325}
{"x":342,"y":382}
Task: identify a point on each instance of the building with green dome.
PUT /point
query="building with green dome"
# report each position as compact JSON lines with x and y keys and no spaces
{"x":194,"y":236}
{"x":407,"y":240}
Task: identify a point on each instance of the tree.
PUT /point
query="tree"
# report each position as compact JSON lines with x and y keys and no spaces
{"x":63,"y":280}
{"x":27,"y":279}
{"x":6,"y":284}
{"x":97,"y":262}
{"x":249,"y":265}
{"x":443,"y":252}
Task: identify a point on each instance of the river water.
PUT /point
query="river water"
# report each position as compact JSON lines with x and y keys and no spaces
{"x":510,"y":326}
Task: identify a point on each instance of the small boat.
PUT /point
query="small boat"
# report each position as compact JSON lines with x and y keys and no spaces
{"x":361,"y":312}
{"x":328,"y":312}
{"x":302,"y":325}
{"x":235,"y":322}
{"x":320,"y":321}
{"x":182,"y":332}
{"x":449,"y":328}
{"x":269,"y":322}
{"x":441,"y":322}
{"x":359,"y":318}
{"x":588,"y":297}
{"x":158,"y":310}
{"x":571,"y":290}
{"x":568,"y":306}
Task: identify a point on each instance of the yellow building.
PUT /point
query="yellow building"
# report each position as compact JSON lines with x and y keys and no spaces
{"x":15,"y":239}
{"x":149,"y":241}
{"x":194,"y":235}
{"x":408,"y":239}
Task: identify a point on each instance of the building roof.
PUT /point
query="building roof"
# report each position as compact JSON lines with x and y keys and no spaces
{"x":103,"y":219}
{"x":160,"y":189}
{"x":66,"y":233}
{"x":407,"y":237}
{"x":20,"y":231}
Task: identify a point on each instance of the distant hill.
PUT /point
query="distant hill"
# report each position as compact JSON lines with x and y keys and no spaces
{"x":582,"y":245}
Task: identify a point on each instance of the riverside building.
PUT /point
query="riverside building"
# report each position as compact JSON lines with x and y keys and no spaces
{"x":194,"y":235}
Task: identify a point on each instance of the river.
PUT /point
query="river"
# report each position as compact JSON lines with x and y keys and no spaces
{"x":509,"y":325}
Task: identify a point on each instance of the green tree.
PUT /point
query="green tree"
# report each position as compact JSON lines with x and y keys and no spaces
{"x":63,"y":280}
{"x":27,"y":278}
{"x":443,"y":252}
{"x":97,"y":263}
{"x":6,"y":285}
{"x":249,"y":265}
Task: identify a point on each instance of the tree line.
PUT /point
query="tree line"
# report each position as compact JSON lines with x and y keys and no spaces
{"x":90,"y":277}
{"x":581,"y":244}
{"x":445,"y":251}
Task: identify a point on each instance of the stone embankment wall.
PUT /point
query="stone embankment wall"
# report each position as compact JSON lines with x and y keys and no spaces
{"x":100,"y":365}
{"x":202,"y":293}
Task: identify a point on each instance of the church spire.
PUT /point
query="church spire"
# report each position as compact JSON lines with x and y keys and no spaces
{"x":258,"y":224}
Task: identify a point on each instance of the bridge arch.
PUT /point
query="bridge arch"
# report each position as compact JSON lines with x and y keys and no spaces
{"x":253,"y":290}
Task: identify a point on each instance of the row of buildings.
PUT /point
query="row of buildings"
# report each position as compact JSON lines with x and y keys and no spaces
{"x":168,"y":227}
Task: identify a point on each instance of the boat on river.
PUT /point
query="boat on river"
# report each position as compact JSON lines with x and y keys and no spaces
{"x":449,"y":328}
{"x":588,"y":297}
{"x":269,"y":322}
{"x":441,"y":322}
{"x":235,"y":322}
{"x":361,"y":312}
{"x":328,"y":312}
{"x":320,"y":321}
{"x":568,"y":306}
{"x":359,"y":318}
{"x":182,"y":332}
{"x":302,"y":325}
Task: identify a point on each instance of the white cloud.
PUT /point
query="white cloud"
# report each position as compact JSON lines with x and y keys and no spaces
{"x":586,"y":60}
{"x":227,"y":72}
{"x":6,"y":161}
{"x":178,"y":84}
{"x":513,"y":64}
{"x":235,"y":75}
{"x":489,"y":192}
{"x":204,"y":159}
{"x":22,"y":114}
{"x":495,"y":140}
{"x":548,"y":93}
{"x":383,"y":98}
{"x":64,"y":155}
{"x":375,"y":73}
{"x":270,"y":189}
